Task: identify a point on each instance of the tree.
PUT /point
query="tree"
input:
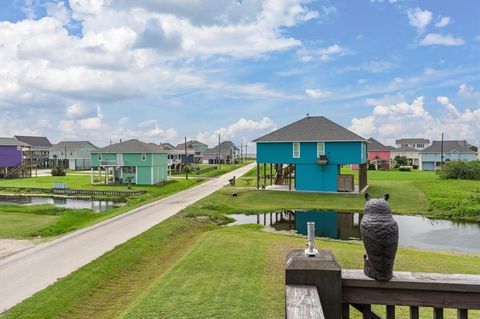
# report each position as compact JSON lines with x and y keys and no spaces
{"x":187,"y":169}
{"x":401,"y":160}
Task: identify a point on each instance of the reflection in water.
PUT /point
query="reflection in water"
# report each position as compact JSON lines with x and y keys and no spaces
{"x":74,"y":203}
{"x":415,"y":231}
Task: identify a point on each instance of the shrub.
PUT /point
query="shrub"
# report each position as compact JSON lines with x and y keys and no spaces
{"x":405,"y":168}
{"x":58,"y":171}
{"x":460,"y":170}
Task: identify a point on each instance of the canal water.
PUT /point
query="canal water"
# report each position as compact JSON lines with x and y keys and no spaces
{"x":97,"y":206}
{"x":415,"y":231}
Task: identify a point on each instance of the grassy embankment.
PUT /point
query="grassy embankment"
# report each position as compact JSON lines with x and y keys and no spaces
{"x":414,"y":192}
{"x":184,"y":268}
{"x":29,"y":221}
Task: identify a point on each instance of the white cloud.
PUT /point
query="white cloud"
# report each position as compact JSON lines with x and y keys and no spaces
{"x":392,"y":121}
{"x":440,"y":39}
{"x":443,"y":22}
{"x":419,"y":18}
{"x":241,"y":131}
{"x":373,"y":66}
{"x":323,"y":54}
{"x":81,"y":111}
{"x":466,"y":90}
{"x":317,"y":93}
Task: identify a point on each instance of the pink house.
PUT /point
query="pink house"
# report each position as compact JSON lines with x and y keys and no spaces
{"x":377,"y":154}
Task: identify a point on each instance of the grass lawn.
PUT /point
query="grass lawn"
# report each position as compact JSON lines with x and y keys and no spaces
{"x":183,"y":268}
{"x":414,"y":192}
{"x":212,"y":170}
{"x":48,"y":220}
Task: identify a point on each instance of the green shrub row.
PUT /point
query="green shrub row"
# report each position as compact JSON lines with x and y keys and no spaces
{"x":460,"y":170}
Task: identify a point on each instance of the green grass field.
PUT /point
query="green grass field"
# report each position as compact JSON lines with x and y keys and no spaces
{"x":212,"y":170}
{"x":27,"y":221}
{"x":183,"y":267}
{"x":413,"y":192}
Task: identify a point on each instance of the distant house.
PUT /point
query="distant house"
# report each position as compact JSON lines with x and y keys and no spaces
{"x":412,"y":155}
{"x":431,"y":157}
{"x":410,"y":148}
{"x":195,"y":147}
{"x":416,"y":143}
{"x":310,"y":152}
{"x":40,"y":149}
{"x":12,"y":158}
{"x":227,"y":154}
{"x":73,"y":155}
{"x":135,"y":161}
{"x":378,"y":154}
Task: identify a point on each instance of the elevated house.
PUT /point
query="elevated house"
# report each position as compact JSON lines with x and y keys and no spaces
{"x":130,"y":161}
{"x":74,"y":155}
{"x":410,"y":148}
{"x":39,"y":149}
{"x":307,"y":155}
{"x":195,"y":147}
{"x":225,"y":153}
{"x":378,"y":154}
{"x":431,"y":157}
{"x":14,"y":158}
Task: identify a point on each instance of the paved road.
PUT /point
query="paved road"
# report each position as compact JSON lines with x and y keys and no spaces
{"x":29,"y":271}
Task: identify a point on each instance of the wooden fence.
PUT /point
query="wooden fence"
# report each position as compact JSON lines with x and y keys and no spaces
{"x":340,"y":290}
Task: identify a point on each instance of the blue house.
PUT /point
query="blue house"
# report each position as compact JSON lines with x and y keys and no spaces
{"x":431,"y":157}
{"x":307,"y":155}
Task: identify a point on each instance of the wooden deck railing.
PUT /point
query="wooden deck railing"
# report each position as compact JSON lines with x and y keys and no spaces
{"x":341,"y":289}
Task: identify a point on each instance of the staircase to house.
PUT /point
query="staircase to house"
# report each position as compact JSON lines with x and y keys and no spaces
{"x":24,"y":170}
{"x":282,"y":173}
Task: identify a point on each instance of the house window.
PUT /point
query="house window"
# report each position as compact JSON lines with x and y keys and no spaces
{"x":144,"y":157}
{"x":296,"y":150}
{"x":320,"y":149}
{"x":364,"y":149}
{"x":420,"y":145}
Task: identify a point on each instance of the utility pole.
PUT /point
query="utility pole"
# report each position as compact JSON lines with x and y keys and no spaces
{"x":218,"y":151}
{"x":186,"y":158}
{"x":241,"y":152}
{"x":441,"y":154}
{"x":246,"y":150}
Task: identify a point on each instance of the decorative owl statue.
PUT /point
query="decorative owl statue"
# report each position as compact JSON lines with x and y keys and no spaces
{"x":380,"y":236}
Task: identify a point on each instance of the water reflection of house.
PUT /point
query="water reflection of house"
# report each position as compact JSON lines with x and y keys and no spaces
{"x":329,"y":224}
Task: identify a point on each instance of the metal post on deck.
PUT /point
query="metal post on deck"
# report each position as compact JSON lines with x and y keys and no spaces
{"x":311,"y":251}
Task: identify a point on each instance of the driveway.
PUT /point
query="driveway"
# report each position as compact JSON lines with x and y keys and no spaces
{"x":29,"y":271}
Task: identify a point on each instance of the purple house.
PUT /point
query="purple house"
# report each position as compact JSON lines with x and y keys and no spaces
{"x":11,"y":154}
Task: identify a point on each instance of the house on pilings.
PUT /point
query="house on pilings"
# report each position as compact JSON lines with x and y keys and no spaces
{"x":130,"y":161}
{"x":307,"y":156}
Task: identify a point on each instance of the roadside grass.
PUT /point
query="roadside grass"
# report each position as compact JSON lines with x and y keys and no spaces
{"x":212,"y":170}
{"x":50,"y":221}
{"x":184,"y":268}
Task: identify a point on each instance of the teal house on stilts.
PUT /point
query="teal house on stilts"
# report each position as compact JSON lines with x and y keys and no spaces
{"x":307,"y":155}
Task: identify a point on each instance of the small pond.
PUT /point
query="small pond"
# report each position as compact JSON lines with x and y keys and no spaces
{"x":415,"y":231}
{"x":97,"y":206}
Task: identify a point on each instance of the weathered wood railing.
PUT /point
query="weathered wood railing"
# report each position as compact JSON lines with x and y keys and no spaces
{"x":340,"y":290}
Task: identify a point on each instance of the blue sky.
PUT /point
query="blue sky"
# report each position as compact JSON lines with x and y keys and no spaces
{"x":160,"y":70}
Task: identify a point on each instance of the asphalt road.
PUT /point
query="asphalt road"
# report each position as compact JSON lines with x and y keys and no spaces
{"x":29,"y":271}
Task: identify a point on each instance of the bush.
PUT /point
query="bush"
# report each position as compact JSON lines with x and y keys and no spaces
{"x":460,"y":170}
{"x":58,"y":171}
{"x":405,"y":168}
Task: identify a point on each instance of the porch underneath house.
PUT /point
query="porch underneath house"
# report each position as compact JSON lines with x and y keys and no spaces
{"x":319,"y":177}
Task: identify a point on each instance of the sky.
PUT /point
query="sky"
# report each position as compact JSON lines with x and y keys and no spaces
{"x":159,"y":71}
